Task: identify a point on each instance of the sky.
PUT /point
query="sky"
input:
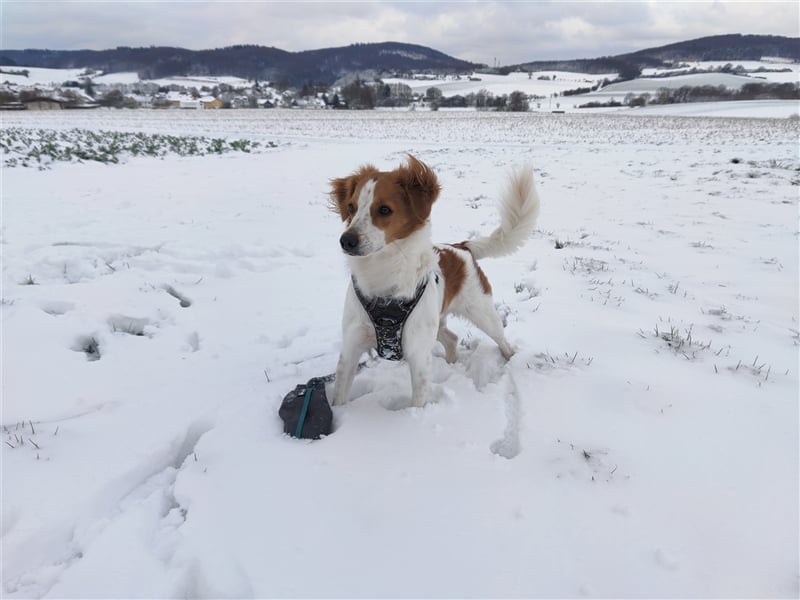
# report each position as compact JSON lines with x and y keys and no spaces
{"x":486,"y":32}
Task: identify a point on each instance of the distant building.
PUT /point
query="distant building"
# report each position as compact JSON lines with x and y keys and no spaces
{"x":42,"y":103}
{"x":210,"y":102}
{"x":182,"y":100}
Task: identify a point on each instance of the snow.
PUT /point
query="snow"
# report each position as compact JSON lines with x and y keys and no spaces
{"x":123,"y":77}
{"x":197,"y":81}
{"x":41,"y":75}
{"x":55,"y":77}
{"x":543,"y":87}
{"x":645,"y":84}
{"x":764,"y":109}
{"x":643,"y":441}
{"x":557,"y":82}
{"x":776,"y":71}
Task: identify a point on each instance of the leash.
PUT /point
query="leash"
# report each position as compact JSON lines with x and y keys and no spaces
{"x":311,"y":386}
{"x":304,"y":411}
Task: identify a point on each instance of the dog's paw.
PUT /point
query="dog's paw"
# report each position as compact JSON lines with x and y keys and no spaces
{"x":440,"y":394}
{"x":397,"y":402}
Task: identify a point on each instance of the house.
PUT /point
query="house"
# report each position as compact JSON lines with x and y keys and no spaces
{"x":210,"y":102}
{"x":182,"y":100}
{"x":42,"y":103}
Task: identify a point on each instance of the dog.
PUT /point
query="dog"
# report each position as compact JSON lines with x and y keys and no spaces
{"x":403,"y":286}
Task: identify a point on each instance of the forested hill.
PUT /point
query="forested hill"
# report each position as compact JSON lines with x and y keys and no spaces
{"x":327,"y":65}
{"x":253,"y":62}
{"x":719,"y":47}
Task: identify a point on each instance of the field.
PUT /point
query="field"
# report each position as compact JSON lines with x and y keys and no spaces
{"x":643,"y":441}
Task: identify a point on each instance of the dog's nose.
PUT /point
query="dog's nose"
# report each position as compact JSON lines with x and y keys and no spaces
{"x":349,"y":242}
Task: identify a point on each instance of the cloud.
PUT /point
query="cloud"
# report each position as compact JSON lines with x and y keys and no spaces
{"x":510,"y":32}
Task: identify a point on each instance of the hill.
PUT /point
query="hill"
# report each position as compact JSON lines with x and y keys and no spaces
{"x":326,"y":65}
{"x":719,"y":47}
{"x":723,"y":47}
{"x":252,"y":62}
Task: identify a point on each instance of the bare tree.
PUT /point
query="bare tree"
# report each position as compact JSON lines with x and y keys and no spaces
{"x":518,"y":102}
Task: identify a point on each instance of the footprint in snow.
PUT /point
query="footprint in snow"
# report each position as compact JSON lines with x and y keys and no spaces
{"x":89,"y":345}
{"x":289,"y":338}
{"x":130,"y":325}
{"x":665,"y":560}
{"x":57,"y":307}
{"x":183,"y":300}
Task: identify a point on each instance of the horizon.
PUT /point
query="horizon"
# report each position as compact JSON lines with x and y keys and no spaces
{"x":509,"y":32}
{"x":562,"y":58}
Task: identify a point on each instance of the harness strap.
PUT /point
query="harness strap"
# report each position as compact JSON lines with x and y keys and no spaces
{"x":388,"y":316}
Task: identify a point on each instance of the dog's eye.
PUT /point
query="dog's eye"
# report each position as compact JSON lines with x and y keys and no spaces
{"x":351,"y":208}
{"x":384,"y":211}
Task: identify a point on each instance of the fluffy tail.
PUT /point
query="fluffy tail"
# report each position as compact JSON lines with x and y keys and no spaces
{"x":519,"y":209}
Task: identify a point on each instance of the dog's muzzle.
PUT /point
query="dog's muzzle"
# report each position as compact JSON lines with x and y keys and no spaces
{"x":350,"y":243}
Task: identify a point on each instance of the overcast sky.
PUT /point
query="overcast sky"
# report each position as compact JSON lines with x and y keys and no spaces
{"x":510,"y":32}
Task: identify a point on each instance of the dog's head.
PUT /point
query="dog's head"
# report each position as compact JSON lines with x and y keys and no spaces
{"x":381,"y":207}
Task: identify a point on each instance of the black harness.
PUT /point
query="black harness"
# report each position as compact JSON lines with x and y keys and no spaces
{"x":388,"y":315}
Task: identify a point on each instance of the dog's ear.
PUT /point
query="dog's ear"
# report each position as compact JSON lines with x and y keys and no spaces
{"x":344,"y":188}
{"x":421,"y":185}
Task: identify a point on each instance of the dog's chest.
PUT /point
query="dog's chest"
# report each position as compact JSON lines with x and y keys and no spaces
{"x":388,"y":316}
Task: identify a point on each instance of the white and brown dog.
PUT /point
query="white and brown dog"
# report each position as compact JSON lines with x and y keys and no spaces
{"x":403,"y":286}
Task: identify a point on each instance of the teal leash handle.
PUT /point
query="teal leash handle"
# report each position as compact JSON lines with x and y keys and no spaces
{"x":303,"y":411}
{"x":313,"y":383}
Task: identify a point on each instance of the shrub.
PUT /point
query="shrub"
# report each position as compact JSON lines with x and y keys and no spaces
{"x":518,"y":102}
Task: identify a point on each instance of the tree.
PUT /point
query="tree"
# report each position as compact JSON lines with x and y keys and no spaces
{"x":88,"y":87}
{"x":483,"y":98}
{"x":112,"y":98}
{"x":518,"y":102}
{"x":629,"y":71}
{"x":71,"y":98}
{"x":7,"y":96}
{"x":433,"y":94}
{"x":359,"y":95}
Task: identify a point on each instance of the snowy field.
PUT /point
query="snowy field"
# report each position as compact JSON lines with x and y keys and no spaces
{"x":544,"y":86}
{"x":643,"y":442}
{"x":548,"y":84}
{"x":56,"y":77}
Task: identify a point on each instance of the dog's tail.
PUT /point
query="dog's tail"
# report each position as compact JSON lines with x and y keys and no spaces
{"x":519,"y":209}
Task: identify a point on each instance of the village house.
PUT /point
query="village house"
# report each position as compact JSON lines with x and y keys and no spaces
{"x":210,"y":102}
{"x":42,"y":103}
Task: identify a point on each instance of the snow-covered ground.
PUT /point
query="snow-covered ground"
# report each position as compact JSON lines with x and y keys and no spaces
{"x":40,"y":75}
{"x":772,"y":70}
{"x":544,"y":87}
{"x":643,"y":442}
{"x":548,"y":84}
{"x":56,"y":77}
{"x":648,"y":84}
{"x":556,"y":83}
{"x":763,"y":109}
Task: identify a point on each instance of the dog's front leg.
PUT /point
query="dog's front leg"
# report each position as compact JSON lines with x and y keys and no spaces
{"x":357,"y":338}
{"x":419,"y":337}
{"x":420,"y":366}
{"x":346,"y":369}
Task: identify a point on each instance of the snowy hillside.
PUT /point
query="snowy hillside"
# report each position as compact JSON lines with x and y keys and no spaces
{"x":643,"y":442}
{"x":544,"y":89}
{"x":543,"y":83}
{"x":646,"y":84}
{"x":56,"y":77}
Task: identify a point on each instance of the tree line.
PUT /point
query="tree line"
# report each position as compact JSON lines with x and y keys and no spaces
{"x":706,"y":93}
